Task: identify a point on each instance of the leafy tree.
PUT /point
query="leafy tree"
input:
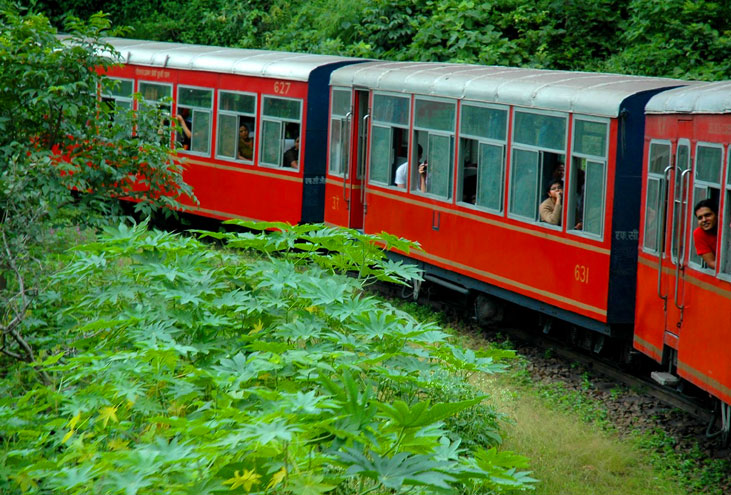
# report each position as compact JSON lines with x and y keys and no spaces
{"x":59,"y":146}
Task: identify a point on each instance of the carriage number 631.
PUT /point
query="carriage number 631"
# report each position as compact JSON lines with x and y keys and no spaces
{"x":581,"y":274}
{"x":281,"y":87}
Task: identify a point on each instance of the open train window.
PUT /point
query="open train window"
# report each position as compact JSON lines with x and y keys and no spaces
{"x":706,"y":185}
{"x":236,"y":132}
{"x":482,"y":144}
{"x":194,"y":116}
{"x":340,"y":114}
{"x":586,"y":189}
{"x":280,"y":138}
{"x":658,"y":160}
{"x":538,"y":158}
{"x":725,"y":222}
{"x":434,"y":126}
{"x":390,"y":140}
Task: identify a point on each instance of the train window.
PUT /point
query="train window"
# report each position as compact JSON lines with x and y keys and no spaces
{"x":236,"y":132}
{"x":682,"y":163}
{"x":658,"y":161}
{"x":706,"y":183}
{"x":390,"y":140}
{"x":156,"y":93}
{"x":539,"y":150}
{"x":340,"y":131}
{"x":725,"y":221}
{"x":281,"y":125}
{"x":586,"y":193}
{"x":195,"y":109}
{"x":434,"y":125}
{"x":483,"y":132}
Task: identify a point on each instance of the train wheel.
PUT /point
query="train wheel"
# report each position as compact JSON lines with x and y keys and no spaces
{"x":488,"y":310}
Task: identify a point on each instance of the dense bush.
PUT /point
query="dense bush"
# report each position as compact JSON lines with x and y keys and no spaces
{"x":177,"y":368}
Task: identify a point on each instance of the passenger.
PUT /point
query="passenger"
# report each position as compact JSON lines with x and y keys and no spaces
{"x":422,"y":176}
{"x":550,"y":209}
{"x":402,"y":171}
{"x":558,"y":171}
{"x":291,"y":156}
{"x":246,"y":143}
{"x":183,"y":118}
{"x":704,"y":236}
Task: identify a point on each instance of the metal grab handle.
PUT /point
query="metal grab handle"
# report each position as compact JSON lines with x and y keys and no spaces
{"x":662,"y":220}
{"x":682,"y":245}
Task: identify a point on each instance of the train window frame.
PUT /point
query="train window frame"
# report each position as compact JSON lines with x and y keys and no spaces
{"x":283,"y":123}
{"x":435,"y":141}
{"x":165,"y":104}
{"x":543,"y":155}
{"x":466,"y":139}
{"x":390,"y":129}
{"x":695,"y":261}
{"x":196,"y":113}
{"x":239,"y":116}
{"x":116,"y":97}
{"x":581,"y":160}
{"x":659,"y":177}
{"x":724,"y":258}
{"x":339,"y":151}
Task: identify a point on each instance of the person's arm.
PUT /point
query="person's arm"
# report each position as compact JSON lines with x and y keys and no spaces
{"x":183,"y":125}
{"x":710,"y":260}
{"x":548,"y":215}
{"x":422,"y":177}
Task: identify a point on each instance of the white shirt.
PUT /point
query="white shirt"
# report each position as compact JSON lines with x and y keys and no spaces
{"x":401,"y":173}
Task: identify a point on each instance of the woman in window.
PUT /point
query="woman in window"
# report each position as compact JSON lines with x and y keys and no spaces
{"x":246,"y":143}
{"x":550,"y":209}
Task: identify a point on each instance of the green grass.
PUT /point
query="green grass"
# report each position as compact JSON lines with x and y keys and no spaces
{"x":569,"y":455}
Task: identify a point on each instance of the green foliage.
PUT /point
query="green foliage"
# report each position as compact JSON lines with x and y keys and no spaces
{"x":178,"y":368}
{"x":674,"y":38}
{"x":58,"y":147}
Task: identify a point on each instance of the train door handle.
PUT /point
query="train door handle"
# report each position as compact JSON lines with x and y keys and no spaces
{"x":436,"y":219}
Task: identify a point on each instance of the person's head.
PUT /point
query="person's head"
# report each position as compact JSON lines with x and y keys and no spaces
{"x":706,"y":212}
{"x":559,"y":170}
{"x":297,"y":143}
{"x":420,"y":151}
{"x":555,"y":187}
{"x":243,"y":131}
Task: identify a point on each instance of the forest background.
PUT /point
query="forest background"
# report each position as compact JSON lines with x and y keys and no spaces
{"x":673,"y":38}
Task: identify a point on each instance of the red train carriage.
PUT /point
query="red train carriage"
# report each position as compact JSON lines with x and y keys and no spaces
{"x":246,"y":118}
{"x":491,"y":140}
{"x":683,"y":315}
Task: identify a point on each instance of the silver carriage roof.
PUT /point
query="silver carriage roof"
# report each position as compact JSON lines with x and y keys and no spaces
{"x":260,"y":63}
{"x":709,"y":98}
{"x":582,"y":92}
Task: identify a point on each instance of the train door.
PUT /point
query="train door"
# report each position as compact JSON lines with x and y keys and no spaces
{"x":666,"y":226}
{"x":348,"y":144}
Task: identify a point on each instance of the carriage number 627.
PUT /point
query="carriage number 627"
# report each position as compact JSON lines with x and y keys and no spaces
{"x":281,"y":87}
{"x":581,"y":274}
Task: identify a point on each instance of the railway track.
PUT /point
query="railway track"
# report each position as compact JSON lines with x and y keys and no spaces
{"x":528,"y":332}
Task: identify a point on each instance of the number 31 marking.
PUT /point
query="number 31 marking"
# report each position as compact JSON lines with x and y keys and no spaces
{"x":581,"y":274}
{"x":282,"y":87}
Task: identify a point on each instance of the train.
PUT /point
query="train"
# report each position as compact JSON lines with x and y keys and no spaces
{"x":568,"y":193}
